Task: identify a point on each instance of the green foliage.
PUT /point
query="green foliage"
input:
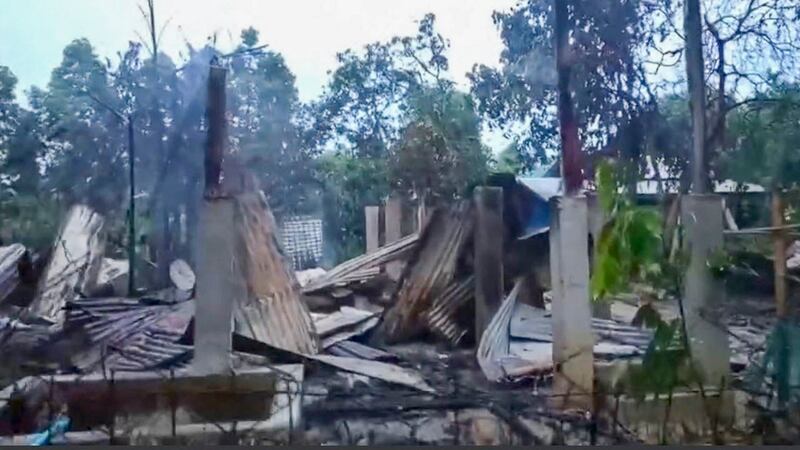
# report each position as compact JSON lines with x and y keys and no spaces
{"x":29,"y":219}
{"x":764,"y":137}
{"x":350,"y":184}
{"x":510,"y":160}
{"x":606,"y":77}
{"x":665,"y":365}
{"x":629,"y":248}
{"x":439,"y":153}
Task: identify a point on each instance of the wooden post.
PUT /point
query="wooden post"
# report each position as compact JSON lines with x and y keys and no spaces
{"x":372,"y":222}
{"x":571,"y":157}
{"x":393,"y":221}
{"x":779,"y":243}
{"x":131,"y":210}
{"x":215,"y":146}
{"x":488,"y":256}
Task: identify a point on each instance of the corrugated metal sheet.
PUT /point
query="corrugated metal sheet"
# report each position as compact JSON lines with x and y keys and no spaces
{"x":494,"y":346}
{"x":363,"y":267}
{"x":429,"y":272}
{"x":128,"y":334}
{"x":442,"y":317}
{"x":273,"y":313}
{"x":535,"y":324}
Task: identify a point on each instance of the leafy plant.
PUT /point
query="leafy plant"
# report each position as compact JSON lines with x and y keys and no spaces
{"x":629,"y":248}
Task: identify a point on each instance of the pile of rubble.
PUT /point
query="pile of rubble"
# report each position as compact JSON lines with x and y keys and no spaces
{"x":376,"y":347}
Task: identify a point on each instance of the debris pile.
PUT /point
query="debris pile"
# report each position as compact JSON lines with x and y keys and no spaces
{"x":351,"y":320}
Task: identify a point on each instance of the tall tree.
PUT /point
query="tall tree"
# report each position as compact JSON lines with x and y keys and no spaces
{"x":264,"y":127}
{"x":85,"y":140}
{"x":608,"y":42}
{"x":746,"y":44}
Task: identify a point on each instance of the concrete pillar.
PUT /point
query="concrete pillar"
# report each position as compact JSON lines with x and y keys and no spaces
{"x":372,"y":217}
{"x":701,"y":216}
{"x":393,"y":221}
{"x":488,"y":256}
{"x":219,"y":282}
{"x":573,"y":342}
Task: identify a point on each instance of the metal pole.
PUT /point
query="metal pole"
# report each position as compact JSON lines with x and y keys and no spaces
{"x":131,"y":209}
{"x":697,"y":97}
{"x":571,"y":170}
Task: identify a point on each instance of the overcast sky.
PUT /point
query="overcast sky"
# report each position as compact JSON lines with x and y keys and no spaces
{"x":308,"y":33}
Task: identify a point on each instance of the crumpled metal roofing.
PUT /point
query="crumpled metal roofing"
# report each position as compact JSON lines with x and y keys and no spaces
{"x":128,"y":334}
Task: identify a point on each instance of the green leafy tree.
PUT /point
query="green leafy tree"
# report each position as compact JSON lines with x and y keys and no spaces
{"x":608,"y":79}
{"x":765,"y":136}
{"x":391,"y":115}
{"x":265,"y":126}
{"x":85,"y":141}
{"x":439,"y":154}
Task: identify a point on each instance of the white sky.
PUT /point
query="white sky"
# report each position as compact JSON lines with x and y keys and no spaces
{"x":308,"y":33}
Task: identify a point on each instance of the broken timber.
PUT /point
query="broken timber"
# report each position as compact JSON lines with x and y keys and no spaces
{"x":74,"y":263}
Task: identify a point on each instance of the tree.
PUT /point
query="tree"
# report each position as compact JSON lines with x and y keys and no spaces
{"x":390,"y":118}
{"x":439,"y":154}
{"x":607,"y":77}
{"x":264,"y":127}
{"x":764,"y":137}
{"x":362,"y":109}
{"x":746,"y":44}
{"x":84,"y":140}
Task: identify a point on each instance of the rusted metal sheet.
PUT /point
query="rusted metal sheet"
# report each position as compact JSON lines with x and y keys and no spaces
{"x":363,"y":267}
{"x":273,"y":313}
{"x":127,"y":334}
{"x":442,"y":317}
{"x":429,"y":272}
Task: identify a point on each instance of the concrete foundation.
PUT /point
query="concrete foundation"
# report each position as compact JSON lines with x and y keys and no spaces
{"x":219,"y":282}
{"x":702,"y":219}
{"x":573,"y":341}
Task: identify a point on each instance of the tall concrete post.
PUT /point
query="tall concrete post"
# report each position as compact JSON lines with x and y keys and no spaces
{"x":488,"y":256}
{"x":372,"y":217}
{"x":702,"y":218}
{"x":573,"y":342}
{"x":393,"y":221}
{"x":219,"y":282}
